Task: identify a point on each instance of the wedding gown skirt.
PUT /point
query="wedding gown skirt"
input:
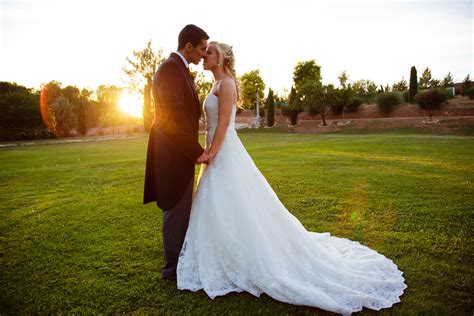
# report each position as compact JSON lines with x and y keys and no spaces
{"x":242,"y":238}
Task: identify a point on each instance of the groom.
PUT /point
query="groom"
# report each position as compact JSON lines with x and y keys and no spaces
{"x":173,"y":146}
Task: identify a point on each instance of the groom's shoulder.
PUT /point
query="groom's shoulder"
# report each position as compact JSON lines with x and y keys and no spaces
{"x":169,"y":64}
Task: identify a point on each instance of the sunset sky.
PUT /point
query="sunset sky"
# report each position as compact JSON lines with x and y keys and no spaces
{"x":84,"y":42}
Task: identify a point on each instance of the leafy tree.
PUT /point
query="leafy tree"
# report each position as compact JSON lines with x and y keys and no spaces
{"x":304,"y":72}
{"x":425,"y":79}
{"x":470,"y":93}
{"x":20,"y":110}
{"x":387,"y":101}
{"x":270,"y":107}
{"x":413,"y":84}
{"x":430,"y":100}
{"x":364,"y":88}
{"x":400,"y":85}
{"x":203,"y":86}
{"x":466,"y":84}
{"x":311,"y":99}
{"x":84,"y":104}
{"x":448,"y":80}
{"x":108,"y":97}
{"x":343,"y":78}
{"x":434,"y":83}
{"x":49,"y":93}
{"x":140,"y":71}
{"x":62,"y":116}
{"x":252,"y":83}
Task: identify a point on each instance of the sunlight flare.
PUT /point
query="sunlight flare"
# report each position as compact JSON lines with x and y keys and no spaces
{"x":131,"y":104}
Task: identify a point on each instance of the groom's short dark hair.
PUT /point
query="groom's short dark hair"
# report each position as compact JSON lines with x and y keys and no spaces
{"x":191,"y":34}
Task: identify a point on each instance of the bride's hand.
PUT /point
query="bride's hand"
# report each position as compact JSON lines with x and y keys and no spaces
{"x":211,"y":156}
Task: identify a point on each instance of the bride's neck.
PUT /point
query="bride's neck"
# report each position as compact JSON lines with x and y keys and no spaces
{"x":219,"y":74}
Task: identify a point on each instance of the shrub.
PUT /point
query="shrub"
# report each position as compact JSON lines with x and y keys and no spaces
{"x":294,"y":116}
{"x":431,"y":99}
{"x":269,"y":104}
{"x":406,"y":96}
{"x":387,"y":101}
{"x":337,"y":108}
{"x":355,"y":104}
{"x":470,"y":93}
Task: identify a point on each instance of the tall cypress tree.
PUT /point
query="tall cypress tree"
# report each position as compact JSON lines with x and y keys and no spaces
{"x":270,"y":107}
{"x":292,"y":105}
{"x":413,"y":83}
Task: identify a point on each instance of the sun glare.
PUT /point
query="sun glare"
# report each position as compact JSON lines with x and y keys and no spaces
{"x":131,"y":104}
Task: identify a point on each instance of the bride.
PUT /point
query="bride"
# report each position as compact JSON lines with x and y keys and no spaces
{"x":242,"y":238}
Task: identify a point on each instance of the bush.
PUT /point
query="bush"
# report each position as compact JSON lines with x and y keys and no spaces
{"x":431,"y":99}
{"x":355,"y":104}
{"x":337,"y":108}
{"x":387,"y":101}
{"x":294,"y":116}
{"x":470,"y":93}
{"x":449,"y":93}
{"x":406,"y":96}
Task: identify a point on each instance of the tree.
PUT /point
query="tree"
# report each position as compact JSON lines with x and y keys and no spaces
{"x":252,"y":83}
{"x":84,"y":103}
{"x":434,"y":83}
{"x":270,"y":107}
{"x":466,"y":84}
{"x":343,"y":78}
{"x":387,"y":101}
{"x":425,"y":79}
{"x":108,"y":97}
{"x":311,"y":98}
{"x":413,"y":84}
{"x":448,"y":80}
{"x":203,"y":86}
{"x":430,"y":100}
{"x":400,"y":85}
{"x":20,"y":111}
{"x":140,"y":71}
{"x":49,"y":93}
{"x":304,"y":72}
{"x":62,"y":116}
{"x":292,"y":106}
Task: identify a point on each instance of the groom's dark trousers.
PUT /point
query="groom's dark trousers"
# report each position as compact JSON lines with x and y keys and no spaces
{"x":173,"y":148}
{"x":175,"y":225}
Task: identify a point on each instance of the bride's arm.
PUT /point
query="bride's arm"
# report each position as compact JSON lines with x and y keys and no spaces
{"x":226,"y":102}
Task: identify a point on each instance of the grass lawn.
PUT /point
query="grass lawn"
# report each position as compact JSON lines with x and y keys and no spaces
{"x":76,"y":238}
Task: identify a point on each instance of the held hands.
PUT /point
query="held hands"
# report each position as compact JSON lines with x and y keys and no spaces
{"x":204,"y":158}
{"x":207,"y":157}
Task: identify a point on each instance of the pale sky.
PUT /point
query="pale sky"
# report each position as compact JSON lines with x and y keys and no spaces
{"x":84,"y":42}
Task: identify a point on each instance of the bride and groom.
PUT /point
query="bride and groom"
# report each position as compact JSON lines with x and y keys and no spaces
{"x":234,"y":234}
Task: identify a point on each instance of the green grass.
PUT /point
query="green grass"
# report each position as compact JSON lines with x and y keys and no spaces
{"x":75,"y":237}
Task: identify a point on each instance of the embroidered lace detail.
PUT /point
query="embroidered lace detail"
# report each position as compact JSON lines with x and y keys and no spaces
{"x":242,"y":238}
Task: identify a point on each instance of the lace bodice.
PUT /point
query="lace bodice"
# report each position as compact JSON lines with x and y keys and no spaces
{"x":211,"y":113}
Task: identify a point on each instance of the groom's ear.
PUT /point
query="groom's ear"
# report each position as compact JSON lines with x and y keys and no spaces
{"x":188,"y":47}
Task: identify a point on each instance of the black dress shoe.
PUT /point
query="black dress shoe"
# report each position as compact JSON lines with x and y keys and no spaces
{"x":167,"y":278}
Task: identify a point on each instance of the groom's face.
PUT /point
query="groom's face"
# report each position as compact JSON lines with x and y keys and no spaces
{"x":198,"y":52}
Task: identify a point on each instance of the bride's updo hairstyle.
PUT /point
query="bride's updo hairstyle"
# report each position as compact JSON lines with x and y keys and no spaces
{"x":226,"y":58}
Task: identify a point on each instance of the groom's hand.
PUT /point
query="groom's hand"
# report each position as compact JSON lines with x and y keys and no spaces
{"x":204,"y":158}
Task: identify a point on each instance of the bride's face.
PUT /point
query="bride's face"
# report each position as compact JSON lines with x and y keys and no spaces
{"x":211,"y":59}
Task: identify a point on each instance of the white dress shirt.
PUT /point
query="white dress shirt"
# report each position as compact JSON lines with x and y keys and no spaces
{"x":184,"y":59}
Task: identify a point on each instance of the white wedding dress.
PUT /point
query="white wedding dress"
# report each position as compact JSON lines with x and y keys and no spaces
{"x":242,"y":238}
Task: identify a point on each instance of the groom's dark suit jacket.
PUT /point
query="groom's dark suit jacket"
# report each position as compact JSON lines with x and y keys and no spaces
{"x":173,"y":145}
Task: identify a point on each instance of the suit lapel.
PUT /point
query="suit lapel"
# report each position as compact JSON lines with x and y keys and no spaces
{"x":190,"y":81}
